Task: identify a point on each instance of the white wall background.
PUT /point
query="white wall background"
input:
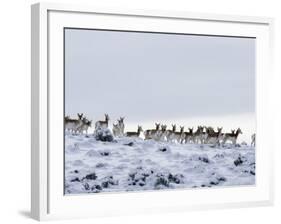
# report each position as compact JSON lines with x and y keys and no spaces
{"x":15,"y":110}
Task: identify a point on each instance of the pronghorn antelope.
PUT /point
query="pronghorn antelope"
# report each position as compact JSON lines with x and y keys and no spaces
{"x":170,"y":133}
{"x":178,"y":136}
{"x":210,"y":129}
{"x":188,"y":136}
{"x":84,"y":126}
{"x":214,"y":137}
{"x":121,"y":125}
{"x":134,"y":134}
{"x":162,"y":133}
{"x":116,"y":130}
{"x":72,"y":125}
{"x":231,"y":136}
{"x":197,"y":136}
{"x":102,"y":124}
{"x":204,"y":134}
{"x":152,"y":133}
{"x":253,"y":138}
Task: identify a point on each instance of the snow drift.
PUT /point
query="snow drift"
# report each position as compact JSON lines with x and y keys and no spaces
{"x":134,"y":164}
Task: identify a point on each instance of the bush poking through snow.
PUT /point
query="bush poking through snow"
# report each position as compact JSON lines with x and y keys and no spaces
{"x":222,"y":179}
{"x":108,"y":181}
{"x":96,"y":188}
{"x":86,"y":186}
{"x":238,"y":161}
{"x":161,"y":181}
{"x":104,"y":153}
{"x":138,"y":178}
{"x":97,"y":185}
{"x":203,"y":159}
{"x":216,"y":180}
{"x":177,"y":179}
{"x":164,"y":149}
{"x":166,"y":180}
{"x":101,"y":165}
{"x":253,"y":172}
{"x":91,"y":176}
{"x":104,"y":135}
{"x":75,"y":180}
{"x":218,"y":156}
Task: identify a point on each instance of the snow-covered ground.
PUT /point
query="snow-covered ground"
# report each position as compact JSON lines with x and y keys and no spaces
{"x":132,"y":164}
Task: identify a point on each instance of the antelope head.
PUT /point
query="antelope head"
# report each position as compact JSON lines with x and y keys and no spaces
{"x":163,"y":127}
{"x":121,"y":120}
{"x":157,"y":126}
{"x":181,"y":129}
{"x":139,"y":129}
{"x":106,"y":117}
{"x":80,"y":116}
{"x":239,"y":131}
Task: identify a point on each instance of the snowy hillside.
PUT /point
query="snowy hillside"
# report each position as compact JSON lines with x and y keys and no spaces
{"x":130,"y":164}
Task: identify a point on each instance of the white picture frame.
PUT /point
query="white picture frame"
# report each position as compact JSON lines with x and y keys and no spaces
{"x":47,"y":198}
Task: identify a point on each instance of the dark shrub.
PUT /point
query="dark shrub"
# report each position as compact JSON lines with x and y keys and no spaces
{"x":161,"y":181}
{"x":214,"y":183}
{"x":175,"y":178}
{"x":104,"y":135}
{"x":238,"y":161}
{"x":108,"y":182}
{"x":222,"y":179}
{"x":129,"y":144}
{"x":75,"y":180}
{"x":91,"y":176}
{"x":204,"y":159}
{"x":86,"y":186}
{"x":104,"y":153}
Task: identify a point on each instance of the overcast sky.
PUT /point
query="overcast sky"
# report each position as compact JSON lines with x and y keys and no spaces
{"x":148,"y":76}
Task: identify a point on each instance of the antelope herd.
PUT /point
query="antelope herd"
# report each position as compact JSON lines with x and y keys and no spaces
{"x":77,"y":125}
{"x":202,"y":135}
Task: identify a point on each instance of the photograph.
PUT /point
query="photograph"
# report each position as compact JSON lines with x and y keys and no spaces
{"x":149,"y":111}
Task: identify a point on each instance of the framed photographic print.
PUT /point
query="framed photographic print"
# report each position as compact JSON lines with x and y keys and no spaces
{"x":148,"y":111}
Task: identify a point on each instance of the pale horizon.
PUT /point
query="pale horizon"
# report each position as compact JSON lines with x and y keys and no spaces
{"x":247,"y":122}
